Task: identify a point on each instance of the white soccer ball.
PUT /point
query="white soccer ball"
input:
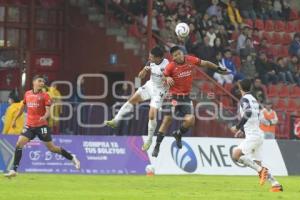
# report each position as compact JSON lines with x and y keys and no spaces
{"x":182,"y":30}
{"x":150,"y":169}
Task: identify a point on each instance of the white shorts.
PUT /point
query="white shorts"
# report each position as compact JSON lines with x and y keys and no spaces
{"x":154,"y":94}
{"x":252,"y":147}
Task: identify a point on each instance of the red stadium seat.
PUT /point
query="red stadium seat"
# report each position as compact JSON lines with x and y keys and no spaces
{"x":279,"y":26}
{"x":206,"y":87}
{"x":276,"y":38}
{"x":267,"y":36}
{"x":283,"y":51}
{"x":284,"y":91}
{"x":295,"y":92}
{"x":274,"y":51}
{"x":292,"y":105}
{"x":218,"y":91}
{"x":272,"y":91}
{"x":269,"y":26}
{"x":228,"y":87}
{"x":297,"y":26}
{"x":259,"y":24}
{"x":290,"y":27}
{"x":249,"y":22}
{"x":280,"y":105}
{"x":294,"y":14}
{"x":237,"y":61}
{"x":227,"y":102}
{"x":286,"y":39}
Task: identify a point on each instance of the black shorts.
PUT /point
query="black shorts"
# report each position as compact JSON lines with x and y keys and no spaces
{"x":43,"y":133}
{"x":178,"y":105}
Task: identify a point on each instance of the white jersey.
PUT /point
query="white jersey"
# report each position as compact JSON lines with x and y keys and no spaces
{"x":251,"y":127}
{"x":155,"y":90}
{"x":157,"y":71}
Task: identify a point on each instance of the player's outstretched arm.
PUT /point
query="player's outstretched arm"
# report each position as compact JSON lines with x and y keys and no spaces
{"x":208,"y":64}
{"x":20,"y":112}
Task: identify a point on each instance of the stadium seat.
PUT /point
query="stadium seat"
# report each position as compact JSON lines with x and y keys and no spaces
{"x":267,"y":36}
{"x":280,"y":105}
{"x":283,"y":51}
{"x":269,"y":26}
{"x":228,"y":87}
{"x":284,"y":91}
{"x":276,"y":38}
{"x":292,"y":105}
{"x":218,"y":91}
{"x":290,"y":27}
{"x":286,"y":39}
{"x":227,"y":102}
{"x":259,"y":24}
{"x":272,"y":91}
{"x":295,"y":92}
{"x":206,"y":87}
{"x":274,"y":50}
{"x":249,"y":22}
{"x":279,"y":26}
{"x":294,"y":14}
{"x":297,"y":26}
{"x":237,"y":61}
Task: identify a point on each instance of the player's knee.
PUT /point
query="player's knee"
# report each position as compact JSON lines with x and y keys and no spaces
{"x":190,"y":121}
{"x":19,"y":145}
{"x":236,"y":154}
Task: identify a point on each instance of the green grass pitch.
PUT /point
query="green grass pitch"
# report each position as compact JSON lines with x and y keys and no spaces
{"x":97,"y":187}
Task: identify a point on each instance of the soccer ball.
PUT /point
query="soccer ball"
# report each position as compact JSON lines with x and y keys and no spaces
{"x":150,"y":170}
{"x":182,"y":30}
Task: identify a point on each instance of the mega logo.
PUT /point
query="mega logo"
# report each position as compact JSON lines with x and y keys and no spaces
{"x":185,"y":158}
{"x":46,"y":62}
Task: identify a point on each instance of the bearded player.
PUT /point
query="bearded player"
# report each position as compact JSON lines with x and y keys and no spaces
{"x":154,"y":90}
{"x":179,"y":77}
{"x":249,"y":151}
{"x":38,"y":111}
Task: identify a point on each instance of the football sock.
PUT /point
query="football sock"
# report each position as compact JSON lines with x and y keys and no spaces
{"x":151,"y":128}
{"x":250,"y":163}
{"x":126,"y":108}
{"x":160,"y":137}
{"x":272,"y":180}
{"x":66,"y":154}
{"x":17,"y":158}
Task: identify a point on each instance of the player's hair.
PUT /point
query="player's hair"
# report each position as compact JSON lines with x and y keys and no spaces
{"x":37,"y":77}
{"x":175,"y":48}
{"x":157,"y":52}
{"x":245,"y":85}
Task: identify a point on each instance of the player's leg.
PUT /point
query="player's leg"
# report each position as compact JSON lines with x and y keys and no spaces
{"x":22,"y":141}
{"x":152,"y":123}
{"x":185,"y":108}
{"x":166,"y":123}
{"x":257,"y":156}
{"x":59,"y":150}
{"x":44,"y":135}
{"x":142,"y":94}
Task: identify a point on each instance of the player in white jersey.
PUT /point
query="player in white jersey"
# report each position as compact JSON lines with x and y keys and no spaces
{"x":249,"y":151}
{"x":154,"y":90}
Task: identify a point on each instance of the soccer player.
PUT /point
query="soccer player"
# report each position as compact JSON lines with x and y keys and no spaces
{"x":38,"y":111}
{"x":178,"y":75}
{"x":154,"y":90}
{"x":249,"y":151}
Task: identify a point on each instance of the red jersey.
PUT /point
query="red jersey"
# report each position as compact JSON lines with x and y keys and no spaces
{"x":182,"y":74}
{"x":36,"y":107}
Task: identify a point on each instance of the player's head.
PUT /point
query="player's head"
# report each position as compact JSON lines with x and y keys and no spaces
{"x":38,"y":82}
{"x":268,"y":105}
{"x":13,"y":98}
{"x":177,"y":54}
{"x":156,"y":55}
{"x":245,"y":85}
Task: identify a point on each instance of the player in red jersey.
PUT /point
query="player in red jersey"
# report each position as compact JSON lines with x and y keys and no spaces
{"x":38,"y":110}
{"x":179,"y":77}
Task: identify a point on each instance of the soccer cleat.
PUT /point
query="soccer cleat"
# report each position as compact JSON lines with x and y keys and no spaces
{"x":155,"y":150}
{"x":11,"y":174}
{"x":76,"y":162}
{"x":276,"y":188}
{"x":177,"y":137}
{"x":263,"y":175}
{"x":146,"y":145}
{"x":111,"y":123}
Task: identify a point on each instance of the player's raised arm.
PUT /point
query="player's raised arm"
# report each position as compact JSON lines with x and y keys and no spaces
{"x":144,"y":71}
{"x":20,"y":112}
